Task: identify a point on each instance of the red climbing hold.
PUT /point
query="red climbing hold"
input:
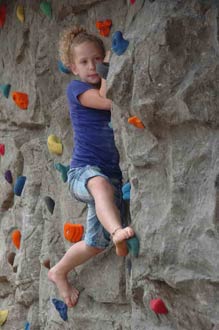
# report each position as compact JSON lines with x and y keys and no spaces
{"x":2,"y":15}
{"x":2,"y":149}
{"x":21,"y":100}
{"x":132,"y":2}
{"x":158,"y":306}
{"x":104,"y":27}
{"x":16,"y":238}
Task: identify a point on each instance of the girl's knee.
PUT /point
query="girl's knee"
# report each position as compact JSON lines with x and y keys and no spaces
{"x":99,"y":183}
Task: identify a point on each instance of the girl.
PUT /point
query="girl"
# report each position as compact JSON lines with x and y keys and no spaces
{"x":94,"y":176}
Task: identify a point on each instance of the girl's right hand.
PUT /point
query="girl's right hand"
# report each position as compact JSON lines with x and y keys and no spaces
{"x":107,"y":56}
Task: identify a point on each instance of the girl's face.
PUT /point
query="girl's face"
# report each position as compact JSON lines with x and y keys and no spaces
{"x":86,"y":55}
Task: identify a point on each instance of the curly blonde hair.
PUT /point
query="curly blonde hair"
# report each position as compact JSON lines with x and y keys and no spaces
{"x":72,"y":37}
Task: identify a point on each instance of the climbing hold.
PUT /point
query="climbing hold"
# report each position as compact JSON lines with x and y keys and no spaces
{"x":20,"y":13}
{"x":158,"y":306}
{"x":3,"y":316}
{"x":126,"y":188}
{"x":132,"y":2}
{"x":104,"y":27}
{"x":2,"y":149}
{"x":11,"y":257}
{"x":5,"y":89}
{"x":119,"y":44}
{"x":49,"y":203}
{"x":46,"y":8}
{"x":73,"y":232}
{"x":54,"y":144}
{"x":61,"y":307}
{"x":21,"y":100}
{"x":62,"y":68}
{"x":102,"y":69}
{"x":19,"y":185}
{"x":129,"y":266}
{"x":110,"y":125}
{"x":27,"y":326}
{"x":63,"y":170}
{"x":133,"y":246}
{"x":2,"y":15}
{"x":46,"y":263}
{"x":135,"y":121}
{"x":16,"y":238}
{"x":8,"y":176}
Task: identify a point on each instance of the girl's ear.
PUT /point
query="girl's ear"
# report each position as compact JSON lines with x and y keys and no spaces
{"x":74,"y":69}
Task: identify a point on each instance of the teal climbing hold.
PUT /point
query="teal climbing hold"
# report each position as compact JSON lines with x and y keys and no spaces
{"x":61,"y":307}
{"x":119,"y":44}
{"x":62,"y":68}
{"x":110,"y":125}
{"x":46,"y":8}
{"x":126,"y":189}
{"x":133,"y":246}
{"x":27,"y":326}
{"x":49,"y":203}
{"x":5,"y":89}
{"x":63,"y":170}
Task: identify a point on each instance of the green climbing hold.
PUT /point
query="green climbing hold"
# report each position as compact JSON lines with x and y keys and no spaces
{"x":63,"y":170}
{"x":46,"y":8}
{"x":133,"y":246}
{"x":5,"y":89}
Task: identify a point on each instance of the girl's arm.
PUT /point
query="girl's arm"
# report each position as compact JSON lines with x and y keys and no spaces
{"x":96,"y":98}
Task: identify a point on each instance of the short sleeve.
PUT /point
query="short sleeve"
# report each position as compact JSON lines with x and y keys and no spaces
{"x":75,"y":88}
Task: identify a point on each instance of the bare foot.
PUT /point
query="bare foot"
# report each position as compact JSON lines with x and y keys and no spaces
{"x":66,"y":291}
{"x":119,"y":239}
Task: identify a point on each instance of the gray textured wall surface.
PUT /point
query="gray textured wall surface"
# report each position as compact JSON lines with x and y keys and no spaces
{"x":169,"y":78}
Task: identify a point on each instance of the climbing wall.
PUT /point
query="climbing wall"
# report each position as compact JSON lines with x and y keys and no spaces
{"x":163,"y":79}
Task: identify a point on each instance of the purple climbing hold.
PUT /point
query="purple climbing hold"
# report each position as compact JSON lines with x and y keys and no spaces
{"x":8,"y":176}
{"x":119,"y":44}
{"x":61,"y":308}
{"x":19,"y":185}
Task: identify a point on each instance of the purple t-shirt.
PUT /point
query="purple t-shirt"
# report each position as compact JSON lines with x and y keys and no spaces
{"x":93,"y":138}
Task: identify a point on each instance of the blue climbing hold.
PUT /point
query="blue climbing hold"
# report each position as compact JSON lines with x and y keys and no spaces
{"x":126,"y":189}
{"x":119,"y":44}
{"x":62,"y":68}
{"x":61,"y":308}
{"x":19,"y":185}
{"x":133,"y":246}
{"x":63,"y":170}
{"x":27,"y":326}
{"x":5,"y":89}
{"x":8,"y":176}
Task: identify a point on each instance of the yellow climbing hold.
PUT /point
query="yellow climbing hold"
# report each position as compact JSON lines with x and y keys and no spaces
{"x":3,"y":316}
{"x":54,"y":144}
{"x":20,"y":13}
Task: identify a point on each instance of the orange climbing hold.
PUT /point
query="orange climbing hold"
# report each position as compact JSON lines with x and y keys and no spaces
{"x":2,"y":15}
{"x":73,"y":232}
{"x":16,"y":238}
{"x":21,"y":100}
{"x":104,"y":27}
{"x":135,"y":121}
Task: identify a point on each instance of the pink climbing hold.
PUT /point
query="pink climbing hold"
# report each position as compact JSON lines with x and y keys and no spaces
{"x":158,"y":306}
{"x":132,"y":2}
{"x":2,"y":149}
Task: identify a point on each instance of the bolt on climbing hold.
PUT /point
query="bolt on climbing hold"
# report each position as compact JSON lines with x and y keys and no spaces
{"x":110,"y":125}
{"x":16,"y":238}
{"x":46,"y":8}
{"x":158,"y":306}
{"x":104,"y":27}
{"x":133,"y":246}
{"x":5,"y":89}
{"x":135,"y":121}
{"x":3,"y":316}
{"x":61,"y":307}
{"x":132,"y":2}
{"x":102,"y":69}
{"x":54,"y":144}
{"x":27,"y":326}
{"x":8,"y":176}
{"x":126,"y":189}
{"x":63,"y":170}
{"x":11,"y":257}
{"x":119,"y":44}
{"x":49,"y":203}
{"x":2,"y":15}
{"x":62,"y":68}
{"x":2,"y":149}
{"x":73,"y":232}
{"x":21,"y":100}
{"x":20,"y":13}
{"x":19,"y":185}
{"x":46,"y":263}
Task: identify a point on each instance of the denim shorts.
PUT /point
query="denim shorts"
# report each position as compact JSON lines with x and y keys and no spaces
{"x":95,"y":234}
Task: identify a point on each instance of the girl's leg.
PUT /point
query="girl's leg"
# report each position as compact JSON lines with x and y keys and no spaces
{"x":108,"y":213}
{"x":76,"y":255}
